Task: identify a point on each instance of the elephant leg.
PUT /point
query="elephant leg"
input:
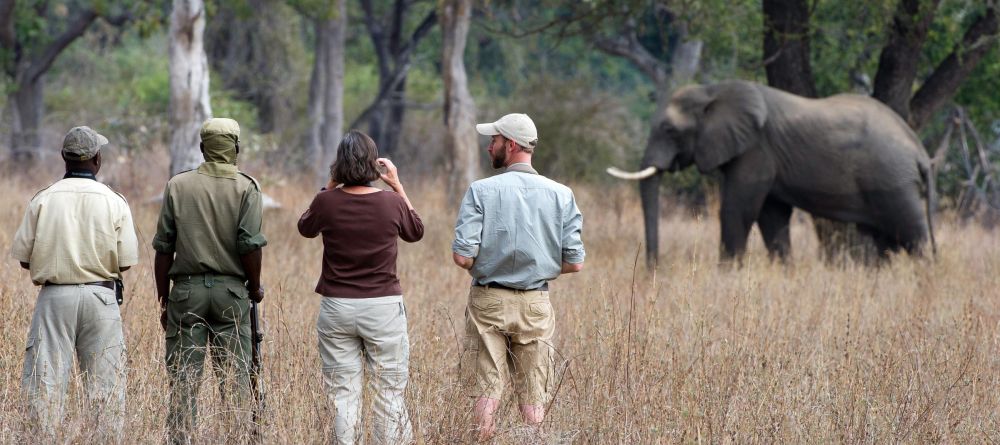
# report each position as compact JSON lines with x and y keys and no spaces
{"x":740,"y":207}
{"x":902,"y":221}
{"x":746,"y":182}
{"x":773,"y":221}
{"x":875,"y":247}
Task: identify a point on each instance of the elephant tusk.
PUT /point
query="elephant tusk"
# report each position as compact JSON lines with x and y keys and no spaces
{"x":642,"y":174}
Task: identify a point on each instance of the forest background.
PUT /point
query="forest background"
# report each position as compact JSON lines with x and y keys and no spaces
{"x":590,"y":73}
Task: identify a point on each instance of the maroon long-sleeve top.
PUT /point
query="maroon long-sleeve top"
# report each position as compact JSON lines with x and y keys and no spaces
{"x":359,"y":241}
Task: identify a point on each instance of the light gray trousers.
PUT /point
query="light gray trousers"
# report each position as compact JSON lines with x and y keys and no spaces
{"x":82,"y":321}
{"x":366,"y":333}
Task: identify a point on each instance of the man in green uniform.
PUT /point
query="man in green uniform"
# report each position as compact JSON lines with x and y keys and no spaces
{"x":208,"y":241}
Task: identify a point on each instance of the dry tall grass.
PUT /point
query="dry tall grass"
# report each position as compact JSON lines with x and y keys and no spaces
{"x":766,"y":353}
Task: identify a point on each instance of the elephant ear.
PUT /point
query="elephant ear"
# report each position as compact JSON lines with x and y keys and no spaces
{"x":731,"y":124}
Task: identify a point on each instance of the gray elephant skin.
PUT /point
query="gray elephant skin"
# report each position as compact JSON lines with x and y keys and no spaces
{"x":846,"y":158}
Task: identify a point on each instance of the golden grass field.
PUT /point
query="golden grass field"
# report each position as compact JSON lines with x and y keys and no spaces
{"x":766,"y":353}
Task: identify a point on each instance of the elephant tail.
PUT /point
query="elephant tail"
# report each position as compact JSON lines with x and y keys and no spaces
{"x":929,"y":183}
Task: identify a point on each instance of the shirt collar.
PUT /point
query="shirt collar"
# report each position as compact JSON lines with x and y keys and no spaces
{"x":218,"y":170}
{"x":521,"y":167}
{"x":84,"y":174}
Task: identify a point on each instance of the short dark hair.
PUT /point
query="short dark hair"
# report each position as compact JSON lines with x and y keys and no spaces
{"x":356,"y":160}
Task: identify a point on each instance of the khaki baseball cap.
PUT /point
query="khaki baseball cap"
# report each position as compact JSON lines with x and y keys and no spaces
{"x":220,"y":126}
{"x":82,"y":143}
{"x":515,"y":126}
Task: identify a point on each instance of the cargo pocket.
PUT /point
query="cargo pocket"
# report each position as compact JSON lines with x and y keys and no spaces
{"x":178,"y":295}
{"x":106,"y":296}
{"x":467,"y":362}
{"x":110,"y":310}
{"x":29,"y":358}
{"x":172,"y":342}
{"x":240,"y":310}
{"x":240,"y":292}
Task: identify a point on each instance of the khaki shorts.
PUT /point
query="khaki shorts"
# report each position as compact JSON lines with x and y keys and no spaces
{"x":507,"y":333}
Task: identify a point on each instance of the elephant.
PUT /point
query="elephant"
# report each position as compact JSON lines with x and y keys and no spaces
{"x":846,"y":158}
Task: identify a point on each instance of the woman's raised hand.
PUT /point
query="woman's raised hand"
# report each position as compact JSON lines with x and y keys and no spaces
{"x":390,"y":177}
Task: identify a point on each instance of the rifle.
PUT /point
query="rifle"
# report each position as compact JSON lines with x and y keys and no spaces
{"x":256,"y":338}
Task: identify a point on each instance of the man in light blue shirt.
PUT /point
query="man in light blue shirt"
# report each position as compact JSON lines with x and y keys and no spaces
{"x":515,"y":232}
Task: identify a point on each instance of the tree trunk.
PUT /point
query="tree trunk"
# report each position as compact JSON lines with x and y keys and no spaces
{"x":786,"y":46}
{"x":378,"y":118}
{"x":26,"y":112}
{"x":393,"y":50}
{"x":251,"y":53}
{"x":900,"y":58}
{"x":26,"y":66}
{"x":392,"y":127}
{"x":326,"y":91}
{"x":459,"y":109}
{"x":333,"y":104}
{"x":189,"y":97}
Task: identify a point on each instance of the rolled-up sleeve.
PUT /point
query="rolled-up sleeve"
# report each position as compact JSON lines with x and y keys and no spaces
{"x":572,"y":230}
{"x":469,"y":226}
{"x":166,"y":228}
{"x":24,"y":240}
{"x":128,"y":244}
{"x":248,"y":233}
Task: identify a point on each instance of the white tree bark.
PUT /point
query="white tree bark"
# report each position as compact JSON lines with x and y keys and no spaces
{"x":326,"y":90}
{"x":189,"y":98}
{"x":459,"y":109}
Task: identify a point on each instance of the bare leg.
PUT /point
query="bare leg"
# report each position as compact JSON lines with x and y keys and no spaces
{"x":484,"y":410}
{"x":533,"y":414}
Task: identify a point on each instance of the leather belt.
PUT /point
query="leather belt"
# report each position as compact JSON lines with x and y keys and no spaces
{"x":107,"y":284}
{"x":544,"y":287}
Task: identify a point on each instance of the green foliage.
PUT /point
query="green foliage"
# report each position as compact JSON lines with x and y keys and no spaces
{"x":123,"y":91}
{"x":732,"y":40}
{"x":315,"y":9}
{"x":581,"y":132}
{"x":225,"y":105}
{"x":360,"y":86}
{"x":847,"y":38}
{"x":592,"y":109}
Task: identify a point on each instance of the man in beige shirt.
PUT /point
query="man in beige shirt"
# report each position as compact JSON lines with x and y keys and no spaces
{"x":76,"y":239}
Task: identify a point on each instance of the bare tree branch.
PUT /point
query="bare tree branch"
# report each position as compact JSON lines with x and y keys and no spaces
{"x":418,"y":34}
{"x":377,"y":35}
{"x":628,"y":46}
{"x":948,"y":76}
{"x":75,"y":29}
{"x":398,"y":75}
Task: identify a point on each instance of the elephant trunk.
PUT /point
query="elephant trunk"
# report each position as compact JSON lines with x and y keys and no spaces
{"x":649,"y":191}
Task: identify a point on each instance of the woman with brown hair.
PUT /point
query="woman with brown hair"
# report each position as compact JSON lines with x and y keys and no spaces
{"x":362,"y":319}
